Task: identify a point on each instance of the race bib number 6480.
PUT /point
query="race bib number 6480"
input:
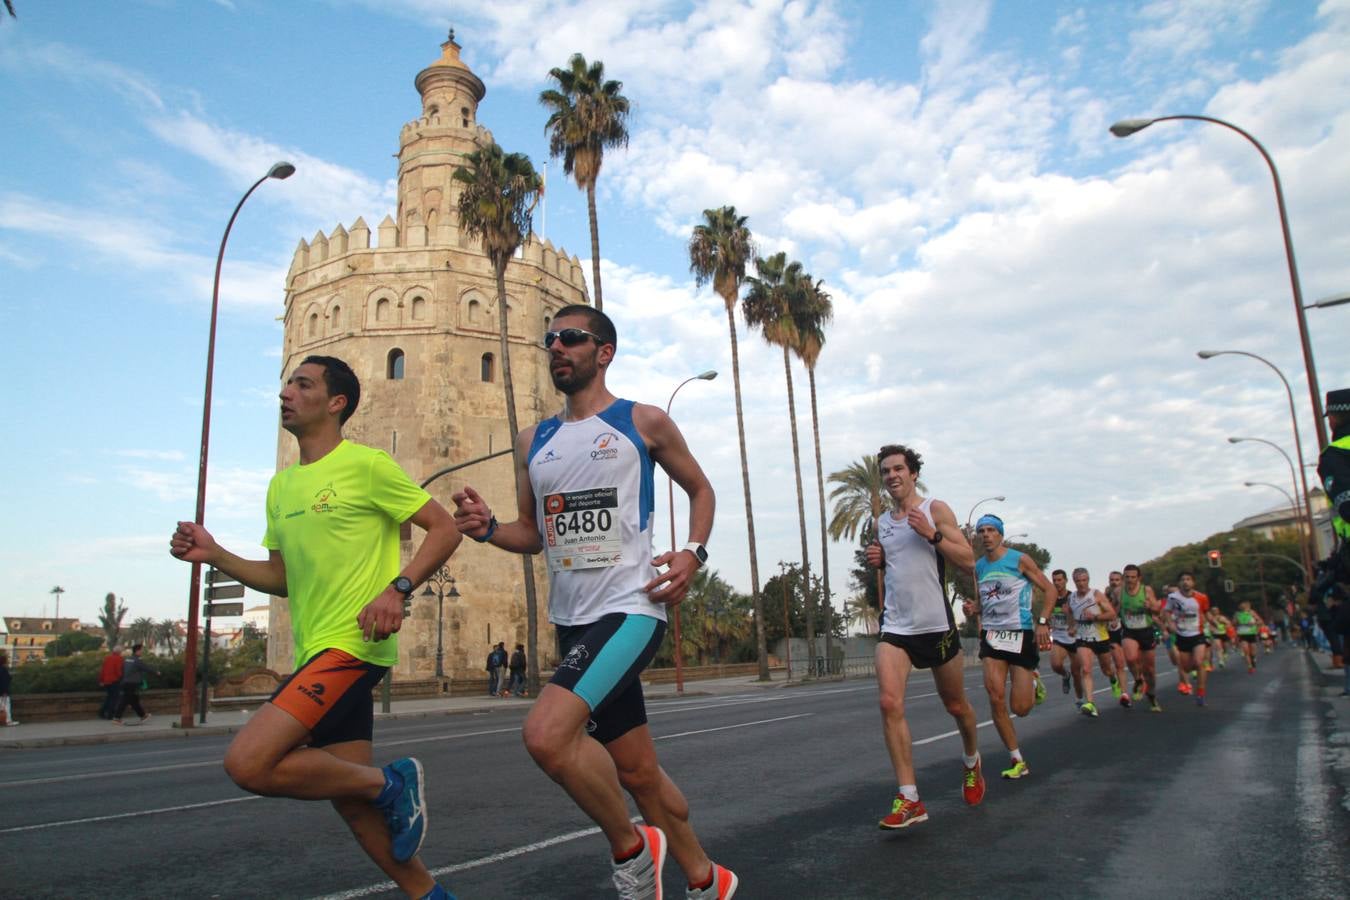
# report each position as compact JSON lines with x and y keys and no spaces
{"x":581,"y":529}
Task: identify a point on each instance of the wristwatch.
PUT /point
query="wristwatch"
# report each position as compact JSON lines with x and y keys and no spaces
{"x":1042,"y":620}
{"x":700,"y":552}
{"x":403,"y":585}
{"x":487,"y":535}
{"x":936,"y":538}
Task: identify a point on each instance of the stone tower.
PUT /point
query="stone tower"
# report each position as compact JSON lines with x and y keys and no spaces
{"x":415,"y":315}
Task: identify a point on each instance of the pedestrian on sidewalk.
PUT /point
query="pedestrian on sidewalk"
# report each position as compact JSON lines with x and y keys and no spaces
{"x":134,"y":672}
{"x":517,"y":667}
{"x":110,"y":679}
{"x":6,"y":709}
{"x":496,"y":667}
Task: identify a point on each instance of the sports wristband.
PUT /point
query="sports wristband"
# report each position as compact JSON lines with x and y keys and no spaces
{"x":492,"y":529}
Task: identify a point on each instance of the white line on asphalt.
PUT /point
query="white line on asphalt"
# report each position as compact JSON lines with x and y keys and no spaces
{"x":127,"y":815}
{"x":446,"y":737}
{"x":119,"y":772}
{"x":666,"y":737}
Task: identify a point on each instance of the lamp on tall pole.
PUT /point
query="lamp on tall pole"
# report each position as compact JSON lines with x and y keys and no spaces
{"x":1298,"y":511}
{"x":670,"y":502}
{"x":279,"y":171}
{"x":1127,"y":127}
{"x":1293,"y":420}
{"x":1290,"y":497}
{"x":440,"y":579}
{"x":1328,"y":302}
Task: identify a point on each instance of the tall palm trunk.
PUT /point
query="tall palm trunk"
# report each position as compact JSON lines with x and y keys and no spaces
{"x":761,"y":639}
{"x":595,"y":242}
{"x":527,"y":559}
{"x":824,"y":545}
{"x":808,"y":595}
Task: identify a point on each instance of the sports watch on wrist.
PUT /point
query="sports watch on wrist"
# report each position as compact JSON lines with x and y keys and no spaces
{"x":936,"y":538}
{"x":403,"y":585}
{"x":1042,"y":620}
{"x":700,"y":552}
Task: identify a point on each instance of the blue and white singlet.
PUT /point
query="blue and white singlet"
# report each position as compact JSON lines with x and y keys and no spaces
{"x":593,"y":495}
{"x":1005,"y":593}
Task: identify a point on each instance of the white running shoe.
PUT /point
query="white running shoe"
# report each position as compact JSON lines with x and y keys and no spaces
{"x":640,"y":877}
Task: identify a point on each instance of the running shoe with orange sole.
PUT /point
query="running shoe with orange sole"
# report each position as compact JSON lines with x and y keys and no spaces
{"x":904,"y":813}
{"x":723,"y":887}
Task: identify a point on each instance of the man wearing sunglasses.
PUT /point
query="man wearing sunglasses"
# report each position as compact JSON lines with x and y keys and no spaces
{"x":584,"y":495}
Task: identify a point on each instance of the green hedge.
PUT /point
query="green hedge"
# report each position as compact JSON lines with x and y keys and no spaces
{"x":79,"y":672}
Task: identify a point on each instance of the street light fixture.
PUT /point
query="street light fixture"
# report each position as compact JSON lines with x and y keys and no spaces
{"x":1328,"y":302}
{"x":1290,"y":497}
{"x":1293,"y":419}
{"x":440,"y":579}
{"x":280,"y":170}
{"x":1298,"y":513}
{"x":1127,"y":127}
{"x":670,"y":502}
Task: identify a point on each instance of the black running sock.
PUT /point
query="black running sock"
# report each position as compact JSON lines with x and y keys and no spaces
{"x":632,"y":854}
{"x":712,"y":871}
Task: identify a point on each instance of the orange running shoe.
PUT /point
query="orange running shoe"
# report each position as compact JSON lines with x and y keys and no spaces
{"x":904,"y":813}
{"x":972,"y":784}
{"x":723,"y":887}
{"x":1183,"y":688}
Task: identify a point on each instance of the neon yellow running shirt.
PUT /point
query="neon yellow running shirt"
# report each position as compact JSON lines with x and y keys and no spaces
{"x":336,"y":523}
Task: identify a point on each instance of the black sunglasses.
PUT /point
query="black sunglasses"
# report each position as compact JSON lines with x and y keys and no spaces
{"x":570,"y":337}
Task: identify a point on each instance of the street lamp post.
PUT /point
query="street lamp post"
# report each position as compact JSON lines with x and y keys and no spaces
{"x":1328,"y":302}
{"x":670,"y":502}
{"x":440,"y":579}
{"x":787,"y":634}
{"x":279,"y":171}
{"x":1293,"y":420}
{"x":1298,"y":511}
{"x":1289,"y":496}
{"x":1127,"y":127}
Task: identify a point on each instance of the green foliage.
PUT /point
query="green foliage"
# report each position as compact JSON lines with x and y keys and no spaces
{"x":788,"y":585}
{"x":110,"y":619}
{"x":72,"y":642}
{"x":716,"y":625}
{"x":79,"y":672}
{"x":1264,"y":571}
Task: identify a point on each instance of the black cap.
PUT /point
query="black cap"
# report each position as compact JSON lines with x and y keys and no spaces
{"x":1338,"y":401}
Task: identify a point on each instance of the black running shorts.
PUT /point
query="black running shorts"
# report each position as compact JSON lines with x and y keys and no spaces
{"x":1141,"y":636}
{"x":926,"y":651}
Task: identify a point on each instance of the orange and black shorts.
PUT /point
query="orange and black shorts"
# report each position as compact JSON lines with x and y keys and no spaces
{"x":331,"y":696}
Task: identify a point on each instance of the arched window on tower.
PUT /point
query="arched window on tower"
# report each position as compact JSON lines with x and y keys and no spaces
{"x":419,"y":308}
{"x":394,"y":370}
{"x":487,"y":369}
{"x":336,"y":317}
{"x":464,"y":116}
{"x":313,"y":325}
{"x":382,"y":310}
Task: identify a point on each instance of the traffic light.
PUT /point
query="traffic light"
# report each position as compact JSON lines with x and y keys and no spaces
{"x":1215,"y":559}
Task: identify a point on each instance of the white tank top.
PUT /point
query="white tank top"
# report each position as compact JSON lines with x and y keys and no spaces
{"x":1079,"y":606}
{"x":593,"y":495}
{"x":916,"y":597}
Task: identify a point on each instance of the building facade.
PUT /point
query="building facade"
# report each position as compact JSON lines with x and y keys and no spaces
{"x":415,"y":315}
{"x":28,"y":636}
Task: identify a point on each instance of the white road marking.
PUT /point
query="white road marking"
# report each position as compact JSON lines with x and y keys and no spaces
{"x":118,"y":772}
{"x":666,"y":737}
{"x":127,"y":815}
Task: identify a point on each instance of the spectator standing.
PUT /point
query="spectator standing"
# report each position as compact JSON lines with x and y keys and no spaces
{"x":134,"y":672}
{"x":110,"y":679}
{"x":494,"y":670}
{"x":6,"y":709}
{"x":517,"y":667}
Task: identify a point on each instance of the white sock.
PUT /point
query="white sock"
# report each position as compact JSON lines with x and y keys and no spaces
{"x":970,"y":761}
{"x":1016,"y":756}
{"x":910,"y":792}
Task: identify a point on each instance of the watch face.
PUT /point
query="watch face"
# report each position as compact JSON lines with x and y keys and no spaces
{"x":403,"y":585}
{"x":702,"y":554}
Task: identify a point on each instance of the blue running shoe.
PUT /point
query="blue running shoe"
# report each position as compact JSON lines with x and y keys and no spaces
{"x":406,"y":811}
{"x":437,"y":893}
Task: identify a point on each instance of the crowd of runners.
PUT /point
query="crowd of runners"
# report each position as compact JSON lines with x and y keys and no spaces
{"x":584,"y":500}
{"x":1117,"y":630}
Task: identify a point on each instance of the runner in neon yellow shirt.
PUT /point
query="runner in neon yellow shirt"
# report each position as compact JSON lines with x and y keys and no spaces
{"x":333,"y":548}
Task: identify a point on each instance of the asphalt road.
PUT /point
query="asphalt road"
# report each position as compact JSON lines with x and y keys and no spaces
{"x":786,"y":787}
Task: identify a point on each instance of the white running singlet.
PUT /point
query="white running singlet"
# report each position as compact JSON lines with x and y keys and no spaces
{"x":1080,"y":604}
{"x":593,"y":498}
{"x":916,"y":598}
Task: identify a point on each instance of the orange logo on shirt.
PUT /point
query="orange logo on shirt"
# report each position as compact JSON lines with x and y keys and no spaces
{"x":553,"y":504}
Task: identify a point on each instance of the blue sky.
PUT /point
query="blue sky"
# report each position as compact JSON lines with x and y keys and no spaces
{"x":1017,"y":294}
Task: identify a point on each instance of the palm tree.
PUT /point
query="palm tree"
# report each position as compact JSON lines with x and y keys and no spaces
{"x":165,"y":634}
{"x":775,"y":295}
{"x":141,"y":631}
{"x":714,"y":616}
{"x":857,"y":611}
{"x":810,"y":318}
{"x":110,"y":620}
{"x":57,"y":592}
{"x":496,"y":201}
{"x":587,"y":115}
{"x":718,"y":251}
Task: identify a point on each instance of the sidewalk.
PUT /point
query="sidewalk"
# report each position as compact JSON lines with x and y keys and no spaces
{"x":98,"y":731}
